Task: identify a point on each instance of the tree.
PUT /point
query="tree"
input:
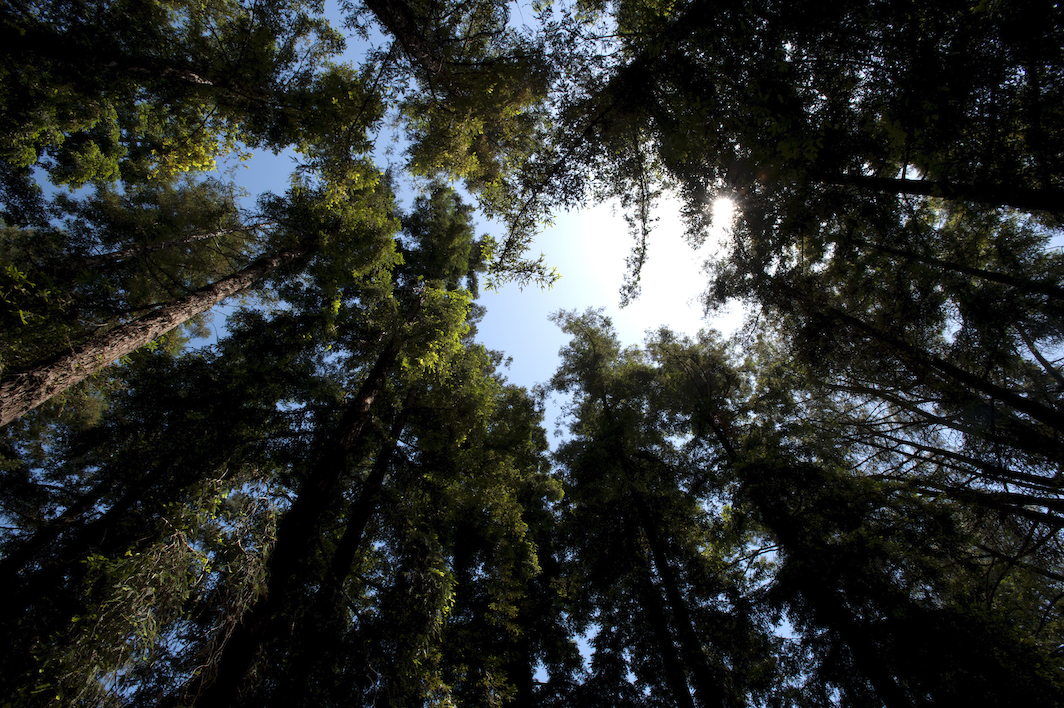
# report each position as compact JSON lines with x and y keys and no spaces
{"x":479,"y":107}
{"x":421,"y":323}
{"x":299,"y":223}
{"x":790,"y":109}
{"x":812,"y":120}
{"x":648,"y":573}
{"x":106,"y":90}
{"x":856,"y":502}
{"x":865,"y":557}
{"x":129,"y":501}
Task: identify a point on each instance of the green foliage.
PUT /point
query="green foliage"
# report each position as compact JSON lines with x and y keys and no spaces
{"x":116,"y":256}
{"x":129,"y":90}
{"x":342,"y":502}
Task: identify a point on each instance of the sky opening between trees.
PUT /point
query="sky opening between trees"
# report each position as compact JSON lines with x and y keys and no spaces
{"x":852,"y":496}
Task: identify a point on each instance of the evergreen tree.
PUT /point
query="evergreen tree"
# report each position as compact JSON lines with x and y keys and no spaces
{"x":340,"y":502}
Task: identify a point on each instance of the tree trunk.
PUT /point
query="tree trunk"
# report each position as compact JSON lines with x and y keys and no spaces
{"x":361,"y":511}
{"x":1043,"y":414}
{"x":399,"y":19}
{"x":707,"y":681}
{"x":296,"y":538}
{"x":25,"y":391}
{"x":670,"y":659}
{"x":997,"y":195}
{"x":316,"y":633}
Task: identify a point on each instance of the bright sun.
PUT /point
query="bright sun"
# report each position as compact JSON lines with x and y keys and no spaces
{"x":723,"y":212}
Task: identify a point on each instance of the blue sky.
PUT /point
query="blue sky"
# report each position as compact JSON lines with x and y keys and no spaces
{"x":587,"y":247}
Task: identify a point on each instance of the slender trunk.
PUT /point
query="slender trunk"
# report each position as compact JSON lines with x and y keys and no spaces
{"x":1031,"y":286}
{"x":1047,"y":366}
{"x":296,"y":539}
{"x":965,"y":464}
{"x":1011,"y":503}
{"x":520,"y":668}
{"x":21,"y":554}
{"x":316,"y":632}
{"x":361,"y":511}
{"x":1048,"y":199}
{"x":1043,"y":414}
{"x":1015,"y":560}
{"x":670,"y":659}
{"x":25,"y":391}
{"x":706,"y":679}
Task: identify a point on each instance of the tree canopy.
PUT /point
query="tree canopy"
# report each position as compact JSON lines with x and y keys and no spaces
{"x":856,"y":500}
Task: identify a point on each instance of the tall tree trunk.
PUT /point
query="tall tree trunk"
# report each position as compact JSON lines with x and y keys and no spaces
{"x":315,"y":635}
{"x":675,"y":677}
{"x":26,"y":390}
{"x":1043,"y":414}
{"x":362,"y":509}
{"x":706,"y":679}
{"x":1047,"y":199}
{"x":521,"y":666}
{"x":296,"y":539}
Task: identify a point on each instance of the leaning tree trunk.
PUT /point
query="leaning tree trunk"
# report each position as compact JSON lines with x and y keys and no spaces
{"x":708,"y":684}
{"x":651,"y":605}
{"x":25,"y":391}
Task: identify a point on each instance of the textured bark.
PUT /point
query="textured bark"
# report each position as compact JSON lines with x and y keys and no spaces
{"x":27,"y":390}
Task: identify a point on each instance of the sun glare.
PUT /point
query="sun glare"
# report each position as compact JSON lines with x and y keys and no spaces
{"x":723,"y":212}
{"x":672,"y":280}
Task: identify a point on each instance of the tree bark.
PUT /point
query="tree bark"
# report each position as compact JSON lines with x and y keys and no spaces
{"x":315,"y":635}
{"x":1027,"y":199}
{"x":27,"y":390}
{"x":296,"y":537}
{"x":707,"y":681}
